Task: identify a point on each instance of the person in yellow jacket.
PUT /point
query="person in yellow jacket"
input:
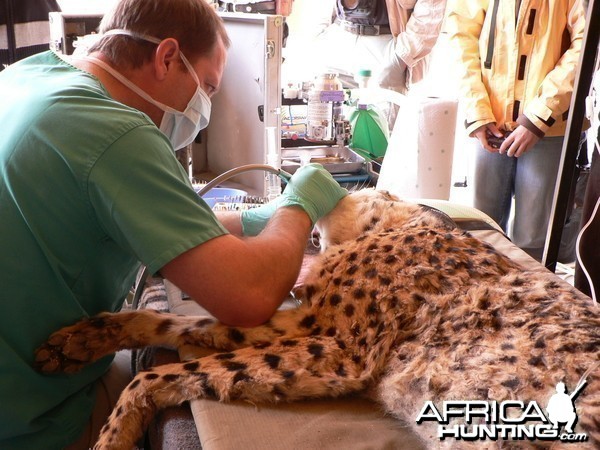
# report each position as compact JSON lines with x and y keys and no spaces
{"x":518,"y":63}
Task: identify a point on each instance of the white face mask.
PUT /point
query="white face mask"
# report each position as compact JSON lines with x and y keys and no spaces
{"x":180,"y":127}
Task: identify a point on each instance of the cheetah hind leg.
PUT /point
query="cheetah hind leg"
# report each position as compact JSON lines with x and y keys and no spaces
{"x":71,"y":348}
{"x":284,"y":371}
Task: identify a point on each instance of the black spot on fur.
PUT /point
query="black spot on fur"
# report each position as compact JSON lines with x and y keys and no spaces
{"x":540,"y":343}
{"x":316,"y":331}
{"x":233,"y":366}
{"x":170,"y":377}
{"x":483,"y":303}
{"x":337,"y":281}
{"x":289,"y":343}
{"x":352,"y":256}
{"x":372,"y":308}
{"x":341,"y":344}
{"x":511,"y":383}
{"x":262,"y":345}
{"x":316,"y":350}
{"x":119,"y":411}
{"x":241,"y":376}
{"x":348,"y":282}
{"x":308,"y":321}
{"x":134,"y":384}
{"x":358,"y":293}
{"x":371,"y":273}
{"x":349,"y":310}
{"x":288,"y":374}
{"x":203,"y":322}
{"x":222,"y":356}
{"x":331,"y":331}
{"x":209,"y":390}
{"x":151,"y":376}
{"x":385,"y":281}
{"x":372,"y":246}
{"x":434,"y":260}
{"x":341,"y":371}
{"x":164,"y":326}
{"x":335,"y":299}
{"x":569,"y":348}
{"x":191,"y":366}
{"x":418,"y":298}
{"x":272,"y":360}
{"x":536,"y":361}
{"x":390,"y":259}
{"x":509,"y":359}
{"x":352,"y":269}
{"x":310,"y":291}
{"x":236,"y":335}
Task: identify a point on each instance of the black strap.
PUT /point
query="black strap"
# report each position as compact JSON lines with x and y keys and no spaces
{"x":490,"y":49}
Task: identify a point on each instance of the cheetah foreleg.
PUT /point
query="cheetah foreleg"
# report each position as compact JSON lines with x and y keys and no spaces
{"x":71,"y":348}
{"x":286,"y":370}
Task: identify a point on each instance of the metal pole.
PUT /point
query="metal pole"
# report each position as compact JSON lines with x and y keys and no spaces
{"x":583,"y":80}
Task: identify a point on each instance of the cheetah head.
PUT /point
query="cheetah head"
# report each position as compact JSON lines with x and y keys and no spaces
{"x":363,"y":211}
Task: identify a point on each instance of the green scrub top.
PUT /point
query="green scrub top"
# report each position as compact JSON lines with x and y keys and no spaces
{"x":89,"y":188}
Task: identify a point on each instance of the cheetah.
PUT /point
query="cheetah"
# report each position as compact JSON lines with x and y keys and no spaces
{"x":401,"y":306}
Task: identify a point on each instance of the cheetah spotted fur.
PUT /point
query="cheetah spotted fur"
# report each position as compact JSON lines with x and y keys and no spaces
{"x":400,"y":306}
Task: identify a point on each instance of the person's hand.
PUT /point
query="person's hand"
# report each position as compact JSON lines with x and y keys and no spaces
{"x":518,"y":142}
{"x":393,"y":73}
{"x":484,"y":132}
{"x":311,"y":188}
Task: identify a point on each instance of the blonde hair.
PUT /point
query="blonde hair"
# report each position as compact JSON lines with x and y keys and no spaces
{"x":193,"y":23}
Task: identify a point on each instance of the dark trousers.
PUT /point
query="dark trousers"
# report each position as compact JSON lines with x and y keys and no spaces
{"x":589,"y":245}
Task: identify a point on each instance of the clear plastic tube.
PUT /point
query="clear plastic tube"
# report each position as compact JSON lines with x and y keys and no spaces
{"x":273,"y":160}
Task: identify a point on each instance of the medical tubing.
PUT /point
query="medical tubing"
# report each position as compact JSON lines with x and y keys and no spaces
{"x":577,"y":244}
{"x":241,"y":169}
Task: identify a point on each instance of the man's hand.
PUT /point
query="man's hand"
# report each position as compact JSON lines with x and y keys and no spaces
{"x":518,"y":142}
{"x":484,"y":132}
{"x":515,"y":144}
{"x":311,"y":188}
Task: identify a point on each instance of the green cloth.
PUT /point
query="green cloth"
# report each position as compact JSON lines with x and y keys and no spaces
{"x":89,"y":188}
{"x":369,"y":132}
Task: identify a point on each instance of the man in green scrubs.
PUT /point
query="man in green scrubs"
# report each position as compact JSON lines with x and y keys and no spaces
{"x":90,"y":188}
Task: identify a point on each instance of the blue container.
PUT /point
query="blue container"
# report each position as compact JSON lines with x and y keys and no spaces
{"x":223,"y":195}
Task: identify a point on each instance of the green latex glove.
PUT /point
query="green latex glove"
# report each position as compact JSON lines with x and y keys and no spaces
{"x":312,"y":188}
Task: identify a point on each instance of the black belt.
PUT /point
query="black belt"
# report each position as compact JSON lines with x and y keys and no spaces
{"x":260,"y":7}
{"x":361,"y":29}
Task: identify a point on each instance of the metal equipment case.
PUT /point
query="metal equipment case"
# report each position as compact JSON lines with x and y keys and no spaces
{"x":248,"y":102}
{"x":65,"y":29}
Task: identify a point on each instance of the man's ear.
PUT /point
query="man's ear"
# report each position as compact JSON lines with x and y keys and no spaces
{"x":166,"y":58}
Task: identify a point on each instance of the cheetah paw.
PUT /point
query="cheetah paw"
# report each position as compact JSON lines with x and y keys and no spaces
{"x":71,"y":348}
